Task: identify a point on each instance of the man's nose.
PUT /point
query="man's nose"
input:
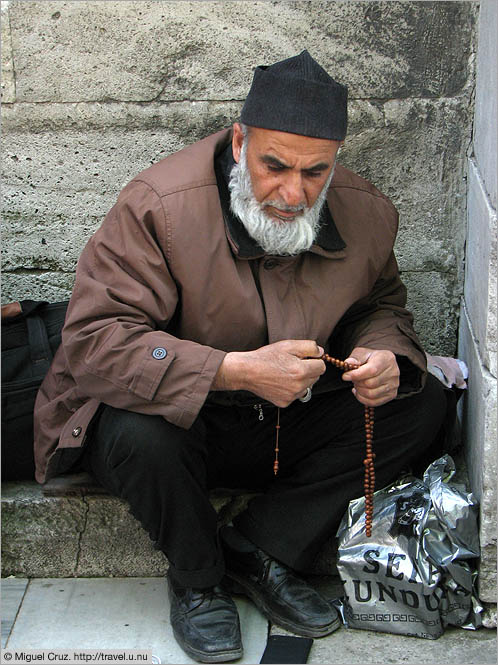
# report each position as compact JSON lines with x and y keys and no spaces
{"x":292,"y":190}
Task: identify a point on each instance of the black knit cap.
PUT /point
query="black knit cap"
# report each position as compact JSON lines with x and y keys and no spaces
{"x":297,"y":95}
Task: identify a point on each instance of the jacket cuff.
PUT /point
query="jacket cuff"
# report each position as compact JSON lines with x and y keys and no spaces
{"x":192,"y":402}
{"x":411,"y":378}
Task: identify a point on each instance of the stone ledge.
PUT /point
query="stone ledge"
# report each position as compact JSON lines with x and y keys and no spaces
{"x":71,"y":527}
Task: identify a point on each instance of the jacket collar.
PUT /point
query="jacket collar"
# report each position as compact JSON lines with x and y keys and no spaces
{"x":328,"y":241}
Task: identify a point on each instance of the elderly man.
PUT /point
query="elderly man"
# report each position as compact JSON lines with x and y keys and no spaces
{"x":196,"y":334}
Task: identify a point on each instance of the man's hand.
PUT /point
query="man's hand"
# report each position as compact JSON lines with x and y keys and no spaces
{"x":279,"y":372}
{"x":377,"y":380}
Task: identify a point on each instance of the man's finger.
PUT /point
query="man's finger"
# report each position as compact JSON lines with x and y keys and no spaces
{"x":305,"y":349}
{"x":360,"y":374}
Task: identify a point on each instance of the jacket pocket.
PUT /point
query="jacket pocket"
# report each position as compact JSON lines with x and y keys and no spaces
{"x":150,"y":372}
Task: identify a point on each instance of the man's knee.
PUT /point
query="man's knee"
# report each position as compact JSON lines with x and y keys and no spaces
{"x":433,"y":405}
{"x":413,"y":424}
{"x":437,"y":422}
{"x":144,"y":440}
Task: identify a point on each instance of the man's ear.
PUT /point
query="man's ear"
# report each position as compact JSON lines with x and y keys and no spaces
{"x":237,"y":141}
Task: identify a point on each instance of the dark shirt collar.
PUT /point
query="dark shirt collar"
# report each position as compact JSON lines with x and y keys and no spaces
{"x":328,"y":238}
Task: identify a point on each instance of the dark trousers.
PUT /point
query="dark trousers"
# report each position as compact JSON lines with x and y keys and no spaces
{"x":165,"y":473}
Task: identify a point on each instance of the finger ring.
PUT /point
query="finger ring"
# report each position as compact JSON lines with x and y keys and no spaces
{"x":307,"y":396}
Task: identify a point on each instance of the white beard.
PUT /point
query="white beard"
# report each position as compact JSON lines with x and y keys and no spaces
{"x":274,"y":237}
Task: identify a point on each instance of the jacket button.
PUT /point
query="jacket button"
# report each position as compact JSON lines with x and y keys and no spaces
{"x":159,"y":353}
{"x":76,"y":431}
{"x":269,"y":264}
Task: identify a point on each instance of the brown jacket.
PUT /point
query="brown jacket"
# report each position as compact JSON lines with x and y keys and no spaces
{"x":163,"y":291}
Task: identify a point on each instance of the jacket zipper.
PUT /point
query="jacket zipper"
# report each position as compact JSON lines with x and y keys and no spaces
{"x":259,"y":408}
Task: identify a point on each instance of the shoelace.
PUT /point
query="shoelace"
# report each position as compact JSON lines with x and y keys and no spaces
{"x":209,"y":595}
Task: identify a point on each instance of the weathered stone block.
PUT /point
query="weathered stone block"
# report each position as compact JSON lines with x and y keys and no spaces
{"x":492,"y":334}
{"x":485,"y":128}
{"x":185,"y":121}
{"x":47,"y":228}
{"x":40,"y":535}
{"x":114,"y":544}
{"x":433,"y":298}
{"x":419,"y":160}
{"x":8,"y":83}
{"x":393,"y":49}
{"x":480,"y":434}
{"x":83,"y":533}
{"x":79,"y":161}
{"x":480,"y":271}
{"x":141,"y":51}
{"x":33,"y":285}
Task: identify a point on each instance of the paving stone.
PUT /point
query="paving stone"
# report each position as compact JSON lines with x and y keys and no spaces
{"x":134,"y":614}
{"x":131,"y":613}
{"x":13,"y":590}
{"x":361,"y":647}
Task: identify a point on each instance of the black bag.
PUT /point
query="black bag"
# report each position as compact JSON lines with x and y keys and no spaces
{"x":31,"y":333}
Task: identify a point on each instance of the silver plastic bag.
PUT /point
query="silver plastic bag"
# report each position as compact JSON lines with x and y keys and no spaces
{"x":412,"y":576}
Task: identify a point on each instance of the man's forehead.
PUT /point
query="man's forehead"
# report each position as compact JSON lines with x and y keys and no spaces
{"x":282,"y":144}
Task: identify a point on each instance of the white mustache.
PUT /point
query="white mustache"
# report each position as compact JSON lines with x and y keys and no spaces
{"x":284,"y":207}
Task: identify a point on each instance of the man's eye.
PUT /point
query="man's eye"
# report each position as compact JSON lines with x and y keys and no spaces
{"x":313,"y":174}
{"x":275,"y":168}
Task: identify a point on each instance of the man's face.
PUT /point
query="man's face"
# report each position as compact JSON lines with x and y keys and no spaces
{"x":288,"y":171}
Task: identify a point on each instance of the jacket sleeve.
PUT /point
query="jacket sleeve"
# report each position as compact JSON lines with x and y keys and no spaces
{"x":381,"y":321}
{"x":124,"y":298}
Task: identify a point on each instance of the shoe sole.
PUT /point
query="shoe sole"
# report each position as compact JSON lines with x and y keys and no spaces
{"x":208,"y":656}
{"x":236,"y":585}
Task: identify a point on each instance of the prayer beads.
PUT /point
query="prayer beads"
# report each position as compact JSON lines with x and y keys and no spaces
{"x":368,"y":462}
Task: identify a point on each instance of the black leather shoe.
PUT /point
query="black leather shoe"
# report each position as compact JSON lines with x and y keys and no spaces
{"x":281,"y":595}
{"x":205,"y":623}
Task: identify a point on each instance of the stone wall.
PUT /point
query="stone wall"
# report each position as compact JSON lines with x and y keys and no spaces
{"x":93,"y":92}
{"x":477,"y":340}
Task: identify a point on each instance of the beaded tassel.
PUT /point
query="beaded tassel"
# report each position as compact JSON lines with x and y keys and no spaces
{"x":277,"y":427}
{"x":368,"y":462}
{"x":369,"y":482}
